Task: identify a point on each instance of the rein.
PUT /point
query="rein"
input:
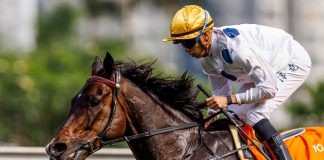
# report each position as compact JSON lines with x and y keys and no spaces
{"x":151,"y":133}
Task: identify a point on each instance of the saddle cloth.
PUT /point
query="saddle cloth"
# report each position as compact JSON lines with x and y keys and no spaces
{"x":302,"y":143}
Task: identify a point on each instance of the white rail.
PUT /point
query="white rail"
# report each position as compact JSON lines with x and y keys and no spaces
{"x":38,"y":153}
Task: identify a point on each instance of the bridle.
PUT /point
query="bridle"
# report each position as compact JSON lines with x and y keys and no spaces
{"x":96,"y":143}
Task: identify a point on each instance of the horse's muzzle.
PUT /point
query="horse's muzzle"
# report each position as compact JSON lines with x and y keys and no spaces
{"x":55,"y":150}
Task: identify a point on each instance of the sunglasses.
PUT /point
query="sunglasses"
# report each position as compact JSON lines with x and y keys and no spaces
{"x":189,"y":43}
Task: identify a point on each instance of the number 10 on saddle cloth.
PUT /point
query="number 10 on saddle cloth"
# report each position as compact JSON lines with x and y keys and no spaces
{"x":302,"y":143}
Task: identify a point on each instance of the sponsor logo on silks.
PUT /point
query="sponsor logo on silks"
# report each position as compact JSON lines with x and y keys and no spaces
{"x":282,"y":76}
{"x":293,"y":67}
{"x":228,"y":76}
{"x":231,"y":32}
{"x":226,"y":56}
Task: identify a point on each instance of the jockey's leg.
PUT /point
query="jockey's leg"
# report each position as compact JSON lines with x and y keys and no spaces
{"x":269,"y":136}
{"x":289,"y":80}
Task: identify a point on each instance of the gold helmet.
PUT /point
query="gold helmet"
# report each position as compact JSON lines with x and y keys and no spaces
{"x":189,"y":22}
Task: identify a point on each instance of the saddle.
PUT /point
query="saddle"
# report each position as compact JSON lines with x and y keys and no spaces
{"x":303,"y":143}
{"x":225,"y":124}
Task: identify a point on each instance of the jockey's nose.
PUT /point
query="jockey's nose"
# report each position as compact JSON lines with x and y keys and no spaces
{"x":56,"y":149}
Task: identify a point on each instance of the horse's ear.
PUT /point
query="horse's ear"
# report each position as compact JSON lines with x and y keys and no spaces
{"x":96,"y":66}
{"x":108,"y":64}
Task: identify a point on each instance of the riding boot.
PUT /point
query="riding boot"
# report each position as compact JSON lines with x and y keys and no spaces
{"x":269,"y":136}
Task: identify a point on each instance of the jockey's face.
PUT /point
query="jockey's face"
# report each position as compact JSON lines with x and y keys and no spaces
{"x":198,"y":49}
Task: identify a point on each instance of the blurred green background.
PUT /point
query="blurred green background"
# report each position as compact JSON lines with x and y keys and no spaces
{"x":37,"y":82}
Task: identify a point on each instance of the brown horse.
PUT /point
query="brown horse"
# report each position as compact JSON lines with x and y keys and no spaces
{"x":112,"y":105}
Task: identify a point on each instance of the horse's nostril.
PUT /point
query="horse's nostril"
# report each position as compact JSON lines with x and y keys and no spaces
{"x":58,"y":149}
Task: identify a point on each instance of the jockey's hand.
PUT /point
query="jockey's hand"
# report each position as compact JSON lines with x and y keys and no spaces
{"x":216,"y":102}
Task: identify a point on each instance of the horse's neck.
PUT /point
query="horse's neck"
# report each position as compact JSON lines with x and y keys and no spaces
{"x":149,"y":114}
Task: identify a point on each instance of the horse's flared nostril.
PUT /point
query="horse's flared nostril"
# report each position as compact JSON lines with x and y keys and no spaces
{"x":57,"y":149}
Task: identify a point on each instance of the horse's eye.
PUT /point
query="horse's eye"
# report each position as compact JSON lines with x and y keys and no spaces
{"x":94,"y":102}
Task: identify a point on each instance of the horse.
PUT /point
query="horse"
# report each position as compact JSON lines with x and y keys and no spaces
{"x":125,"y":99}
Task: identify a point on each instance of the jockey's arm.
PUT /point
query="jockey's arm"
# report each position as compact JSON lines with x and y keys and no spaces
{"x":219,"y":84}
{"x":260,"y":72}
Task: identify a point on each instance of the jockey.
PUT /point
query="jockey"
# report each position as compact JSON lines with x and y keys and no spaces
{"x":267,"y":61}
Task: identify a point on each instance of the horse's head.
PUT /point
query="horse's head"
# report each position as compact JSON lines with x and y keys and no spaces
{"x":94,"y":116}
{"x":109,"y":107}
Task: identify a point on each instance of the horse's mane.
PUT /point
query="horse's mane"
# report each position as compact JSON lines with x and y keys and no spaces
{"x":176,"y":92}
